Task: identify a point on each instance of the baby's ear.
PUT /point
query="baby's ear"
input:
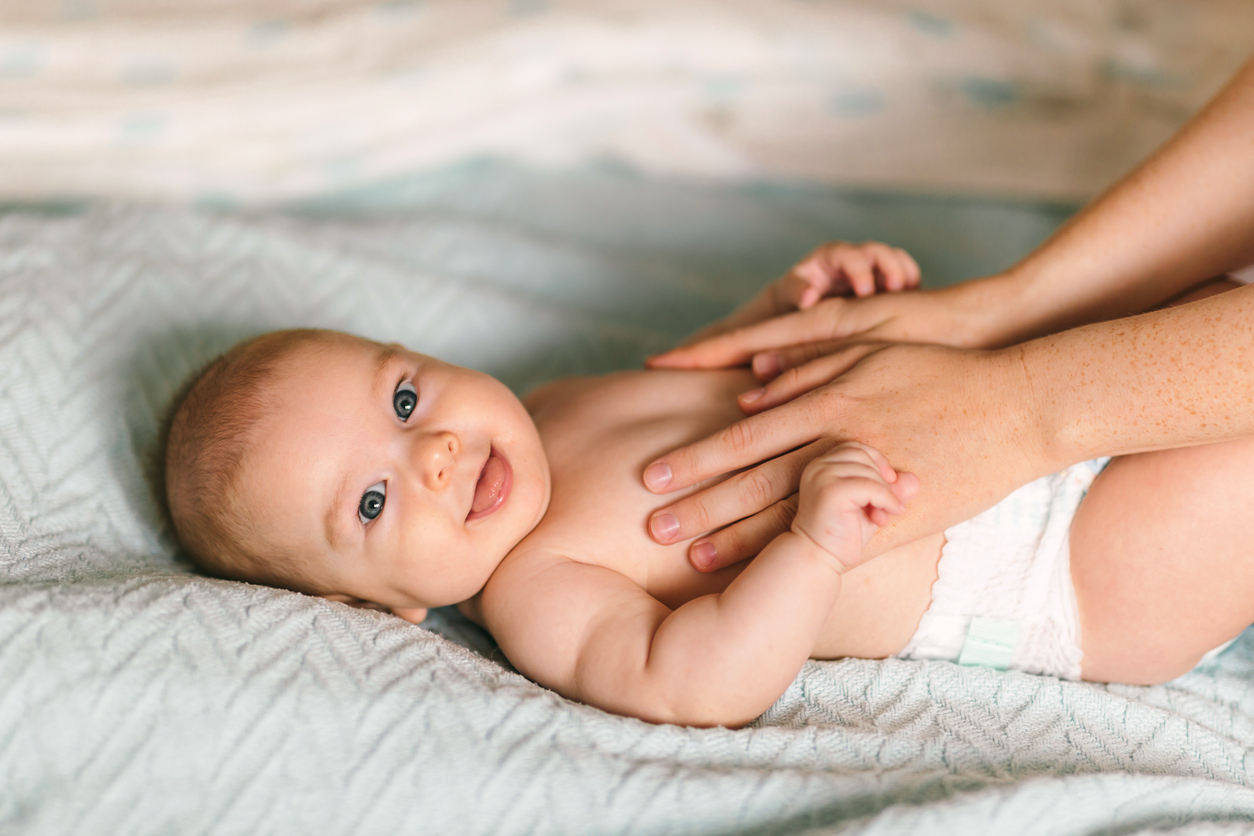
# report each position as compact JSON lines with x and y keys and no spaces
{"x":414,"y":615}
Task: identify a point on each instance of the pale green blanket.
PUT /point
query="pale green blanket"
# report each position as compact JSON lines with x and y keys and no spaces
{"x":136,"y":697}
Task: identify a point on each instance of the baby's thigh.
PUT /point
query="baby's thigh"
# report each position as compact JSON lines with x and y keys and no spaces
{"x":1162,"y":555}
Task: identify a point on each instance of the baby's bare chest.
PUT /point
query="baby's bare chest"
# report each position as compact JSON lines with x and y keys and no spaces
{"x":600,"y":437}
{"x":598,"y":441}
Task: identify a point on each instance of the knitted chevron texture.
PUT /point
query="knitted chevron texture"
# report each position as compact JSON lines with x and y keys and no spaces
{"x":138,"y":697}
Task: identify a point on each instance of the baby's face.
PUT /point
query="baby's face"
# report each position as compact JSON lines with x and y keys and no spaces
{"x":397,"y":479}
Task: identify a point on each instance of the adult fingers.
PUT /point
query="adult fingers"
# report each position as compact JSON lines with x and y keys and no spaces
{"x":722,"y":326}
{"x":767,"y":365}
{"x":798,"y":380}
{"x":736,"y":347}
{"x":740,"y":496}
{"x":744,"y":539}
{"x":766,"y":304}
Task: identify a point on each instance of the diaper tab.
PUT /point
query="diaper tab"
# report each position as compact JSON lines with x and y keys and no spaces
{"x":990,"y":642}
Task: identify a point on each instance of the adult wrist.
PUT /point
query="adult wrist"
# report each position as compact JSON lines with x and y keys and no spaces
{"x":1033,"y":414}
{"x":988,"y":312}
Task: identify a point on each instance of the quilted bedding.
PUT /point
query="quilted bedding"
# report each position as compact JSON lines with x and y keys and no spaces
{"x":138,"y":697}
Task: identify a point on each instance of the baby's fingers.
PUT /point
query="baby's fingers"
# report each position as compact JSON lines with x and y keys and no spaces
{"x":821,"y":273}
{"x":877,"y":516}
{"x":903,"y":484}
{"x":858,"y":266}
{"x":888,"y":263}
{"x":867,"y":454}
{"x":906,"y":486}
{"x":862,"y":492}
{"x":804,"y":286}
{"x":911,"y":267}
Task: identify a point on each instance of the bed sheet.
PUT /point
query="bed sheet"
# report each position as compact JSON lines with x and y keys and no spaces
{"x":137,"y":697}
{"x":227,"y":102}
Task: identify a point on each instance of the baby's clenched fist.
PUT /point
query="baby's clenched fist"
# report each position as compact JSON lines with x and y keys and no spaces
{"x":846,"y":496}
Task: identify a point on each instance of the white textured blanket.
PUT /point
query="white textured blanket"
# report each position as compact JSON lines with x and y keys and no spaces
{"x":136,"y":697}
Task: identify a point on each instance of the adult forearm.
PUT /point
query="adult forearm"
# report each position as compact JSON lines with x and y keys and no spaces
{"x":1184,"y":215}
{"x":1169,"y":378}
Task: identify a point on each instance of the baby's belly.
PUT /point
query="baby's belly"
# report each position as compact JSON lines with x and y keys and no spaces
{"x":881,"y":603}
{"x":879,"y":607}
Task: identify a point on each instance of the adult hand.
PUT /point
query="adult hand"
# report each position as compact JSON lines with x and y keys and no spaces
{"x":975,"y":425}
{"x":961,"y":420}
{"x":976,"y":314}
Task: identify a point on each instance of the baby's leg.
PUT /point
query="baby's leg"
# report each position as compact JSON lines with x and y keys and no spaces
{"x":1162,"y":555}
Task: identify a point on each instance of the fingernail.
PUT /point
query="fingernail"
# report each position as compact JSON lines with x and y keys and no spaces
{"x":703,"y":554}
{"x":750,"y":397}
{"x":657,"y":476}
{"x":768,"y":364}
{"x":664,"y":527}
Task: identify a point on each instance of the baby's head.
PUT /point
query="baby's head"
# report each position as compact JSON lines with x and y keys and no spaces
{"x":365,"y":473}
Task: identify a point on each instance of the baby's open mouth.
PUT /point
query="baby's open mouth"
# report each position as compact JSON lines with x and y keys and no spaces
{"x":493,"y":486}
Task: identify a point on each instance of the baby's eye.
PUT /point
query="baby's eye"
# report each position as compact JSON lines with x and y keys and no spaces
{"x":371,"y":504}
{"x":404,"y":399}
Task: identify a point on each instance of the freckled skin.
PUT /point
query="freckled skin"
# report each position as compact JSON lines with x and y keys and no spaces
{"x":1158,"y":546}
{"x":1031,"y":396}
{"x":600,"y":432}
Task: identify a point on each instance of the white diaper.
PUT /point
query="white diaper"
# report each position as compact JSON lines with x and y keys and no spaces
{"x":1004,"y":596}
{"x":1244,"y":276}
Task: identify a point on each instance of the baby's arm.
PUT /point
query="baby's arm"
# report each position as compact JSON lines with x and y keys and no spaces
{"x":723,"y":659}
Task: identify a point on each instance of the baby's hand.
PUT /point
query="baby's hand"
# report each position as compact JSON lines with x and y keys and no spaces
{"x":846,"y":496}
{"x":838,"y":268}
{"x":834,"y":269}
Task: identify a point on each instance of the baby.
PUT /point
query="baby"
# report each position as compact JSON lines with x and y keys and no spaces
{"x":374,"y":476}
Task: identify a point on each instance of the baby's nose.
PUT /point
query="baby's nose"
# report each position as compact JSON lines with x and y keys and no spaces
{"x":436,"y":459}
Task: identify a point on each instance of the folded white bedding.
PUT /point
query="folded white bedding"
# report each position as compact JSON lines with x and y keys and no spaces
{"x":136,"y":697}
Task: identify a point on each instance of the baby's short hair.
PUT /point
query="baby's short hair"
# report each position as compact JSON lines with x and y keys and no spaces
{"x":209,"y":433}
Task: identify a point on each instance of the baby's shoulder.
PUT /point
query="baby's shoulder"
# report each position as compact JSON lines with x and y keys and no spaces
{"x":533,"y":568}
{"x":546,"y":394}
{"x":539,"y":605}
{"x":565,"y":389}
